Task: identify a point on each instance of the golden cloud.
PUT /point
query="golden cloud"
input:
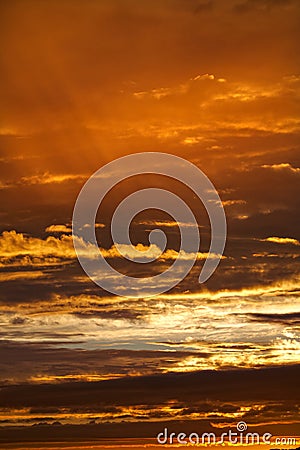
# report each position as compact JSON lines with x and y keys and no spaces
{"x":58,"y":229}
{"x":13,"y":244}
{"x":282,"y":166}
{"x":281,"y":240}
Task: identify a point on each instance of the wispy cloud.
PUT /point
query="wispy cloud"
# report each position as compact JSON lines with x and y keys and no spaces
{"x":282,"y":167}
{"x":281,"y":240}
{"x":58,"y":229}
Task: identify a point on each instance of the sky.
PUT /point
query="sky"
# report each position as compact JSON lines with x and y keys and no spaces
{"x":83,"y":83}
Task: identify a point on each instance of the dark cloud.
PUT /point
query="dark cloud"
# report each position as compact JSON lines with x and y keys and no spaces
{"x":55,"y":359}
{"x":285,"y":319}
{"x":130,"y":315}
{"x":187,"y":391}
{"x":238,"y":385}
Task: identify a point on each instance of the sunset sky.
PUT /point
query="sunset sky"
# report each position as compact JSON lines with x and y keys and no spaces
{"x":83,"y":83}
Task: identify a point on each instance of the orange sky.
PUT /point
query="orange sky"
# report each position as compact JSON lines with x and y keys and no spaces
{"x":85,"y":82}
